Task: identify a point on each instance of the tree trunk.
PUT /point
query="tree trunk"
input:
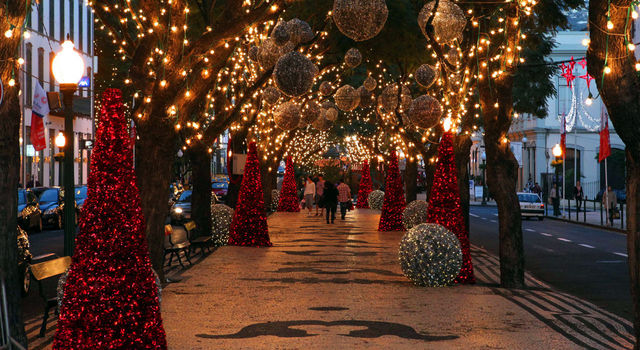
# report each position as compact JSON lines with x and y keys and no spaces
{"x":462,"y":148}
{"x":620,"y":91}
{"x":155,"y":154}
{"x":429,"y":168}
{"x":201,"y":180}
{"x":13,"y":14}
{"x":10,"y":165}
{"x":410,"y":180}
{"x":502,"y":174}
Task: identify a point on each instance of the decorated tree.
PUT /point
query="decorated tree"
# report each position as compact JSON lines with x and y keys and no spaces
{"x":13,"y":13}
{"x":444,"y":204}
{"x":288,"y":194}
{"x":365,"y":187}
{"x":249,"y":224}
{"x":394,"y":202}
{"x":121,"y":307}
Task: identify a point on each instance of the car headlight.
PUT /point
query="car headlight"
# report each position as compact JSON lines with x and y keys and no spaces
{"x":50,"y":211}
{"x":177,"y":210}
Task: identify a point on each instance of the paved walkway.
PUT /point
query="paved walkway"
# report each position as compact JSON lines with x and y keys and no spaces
{"x":341,"y":287}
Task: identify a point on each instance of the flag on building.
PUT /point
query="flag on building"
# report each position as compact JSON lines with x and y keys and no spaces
{"x":39,"y":109}
{"x":605,"y":145}
{"x":563,"y":135}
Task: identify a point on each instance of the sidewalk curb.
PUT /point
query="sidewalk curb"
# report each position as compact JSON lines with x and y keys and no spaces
{"x":614,"y":229}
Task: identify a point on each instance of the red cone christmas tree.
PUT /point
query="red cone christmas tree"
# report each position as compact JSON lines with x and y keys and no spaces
{"x":111,"y":297}
{"x":394,"y":203}
{"x":288,"y":196}
{"x":249,"y":224}
{"x":365,"y":187}
{"x":444,"y":204}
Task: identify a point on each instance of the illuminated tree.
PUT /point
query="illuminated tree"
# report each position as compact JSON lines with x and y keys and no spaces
{"x":13,"y":13}
{"x":611,"y":61}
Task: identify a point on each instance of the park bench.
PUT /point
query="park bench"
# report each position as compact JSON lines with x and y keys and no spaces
{"x":45,"y":270}
{"x":176,"y":241}
{"x":202,"y":241}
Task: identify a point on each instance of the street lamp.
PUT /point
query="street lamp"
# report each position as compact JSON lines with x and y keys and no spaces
{"x":68,"y":68}
{"x":484,"y":178}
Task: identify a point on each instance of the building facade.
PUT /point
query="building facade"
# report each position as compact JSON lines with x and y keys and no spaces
{"x":48,"y":25}
{"x":532,"y":139}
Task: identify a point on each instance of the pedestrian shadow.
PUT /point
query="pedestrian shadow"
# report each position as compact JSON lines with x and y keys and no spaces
{"x":372,"y":329}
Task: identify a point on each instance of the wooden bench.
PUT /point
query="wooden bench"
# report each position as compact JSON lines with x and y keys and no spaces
{"x":45,"y":270}
{"x":201,"y":242}
{"x":176,"y":240}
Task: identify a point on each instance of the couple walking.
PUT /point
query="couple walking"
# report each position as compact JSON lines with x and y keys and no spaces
{"x":327,"y":195}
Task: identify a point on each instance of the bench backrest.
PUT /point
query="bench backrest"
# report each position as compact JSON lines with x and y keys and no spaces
{"x":179,"y":235}
{"x":50,"y":268}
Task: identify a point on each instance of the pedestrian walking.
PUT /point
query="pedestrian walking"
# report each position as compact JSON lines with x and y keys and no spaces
{"x":330,"y":200}
{"x":537,"y":189}
{"x":578,"y":194}
{"x":611,"y":201}
{"x":309,"y":194}
{"x":319,"y":193}
{"x":344,"y":197}
{"x":555,"y":200}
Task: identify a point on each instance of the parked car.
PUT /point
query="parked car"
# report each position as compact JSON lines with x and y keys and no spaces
{"x":24,"y":259}
{"x":29,"y":213}
{"x":52,"y":205}
{"x":220,"y":188}
{"x":181,"y":210}
{"x":80,"y":196}
{"x":531,"y":205}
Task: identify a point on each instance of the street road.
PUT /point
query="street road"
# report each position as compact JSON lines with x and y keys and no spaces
{"x":587,"y":262}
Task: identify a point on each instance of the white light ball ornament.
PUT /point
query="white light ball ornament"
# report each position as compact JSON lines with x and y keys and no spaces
{"x":360,"y":20}
{"x":448,"y":23}
{"x":68,"y":66}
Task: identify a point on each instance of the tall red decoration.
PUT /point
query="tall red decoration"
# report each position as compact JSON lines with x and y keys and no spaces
{"x":444,"y":205}
{"x":365,"y":187}
{"x":394,"y":203}
{"x":288,"y":194}
{"x":249,"y":225}
{"x":110,"y":297}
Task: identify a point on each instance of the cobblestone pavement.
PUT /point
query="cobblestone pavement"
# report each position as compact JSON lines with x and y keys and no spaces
{"x":340,"y":287}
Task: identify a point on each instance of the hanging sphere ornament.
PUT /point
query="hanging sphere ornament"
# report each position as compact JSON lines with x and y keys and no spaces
{"x":299,"y":31}
{"x":430,"y":255}
{"x":331,"y":114}
{"x":425,"y":111}
{"x":453,"y":56}
{"x":294,"y":74}
{"x":360,"y":19}
{"x":310,"y":112}
{"x":253,"y":53}
{"x":325,"y":88}
{"x":376,"y":199}
{"x":269,"y":53}
{"x":388,"y":100}
{"x":448,"y":22}
{"x":367,"y":98}
{"x":321,"y":123}
{"x":426,"y":75}
{"x":414,"y":214}
{"x":281,"y":33}
{"x":326,"y":104}
{"x":287,"y":116}
{"x":346,"y":98}
{"x":221,"y":217}
{"x":352,"y":58}
{"x":271,"y":95}
{"x":370,"y":83}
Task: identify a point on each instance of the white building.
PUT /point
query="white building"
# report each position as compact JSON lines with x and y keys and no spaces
{"x":532,"y":138}
{"x":48,"y":25}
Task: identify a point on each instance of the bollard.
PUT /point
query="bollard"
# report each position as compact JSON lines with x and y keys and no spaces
{"x":622,"y":216}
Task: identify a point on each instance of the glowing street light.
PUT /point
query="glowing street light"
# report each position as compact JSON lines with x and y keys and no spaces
{"x":557,"y":151}
{"x":68,"y":68}
{"x":60,"y":140}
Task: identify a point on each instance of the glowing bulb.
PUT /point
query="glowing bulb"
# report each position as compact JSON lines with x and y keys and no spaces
{"x":609,"y":25}
{"x":27,"y":35}
{"x":60,"y":141}
{"x":631,"y":47}
{"x":12,"y":82}
{"x":607,"y":70}
{"x":163,"y":83}
{"x":586,"y":42}
{"x":557,"y":151}
{"x":20,"y":61}
{"x":638,"y":66}
{"x":634,"y":14}
{"x":8,"y":33}
{"x":588,"y":101}
{"x":447,"y":124}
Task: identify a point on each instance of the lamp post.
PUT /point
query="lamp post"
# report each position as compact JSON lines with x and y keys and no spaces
{"x":68,"y":68}
{"x":484,"y":178}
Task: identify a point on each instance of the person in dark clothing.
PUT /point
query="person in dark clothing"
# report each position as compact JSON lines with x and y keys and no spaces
{"x":578,"y":193}
{"x":330,"y":197}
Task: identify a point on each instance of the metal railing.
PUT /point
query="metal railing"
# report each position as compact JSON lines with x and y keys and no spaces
{"x":588,"y":212}
{"x":6,"y":341}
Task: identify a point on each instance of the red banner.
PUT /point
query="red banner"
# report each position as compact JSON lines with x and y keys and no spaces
{"x":37,"y":133}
